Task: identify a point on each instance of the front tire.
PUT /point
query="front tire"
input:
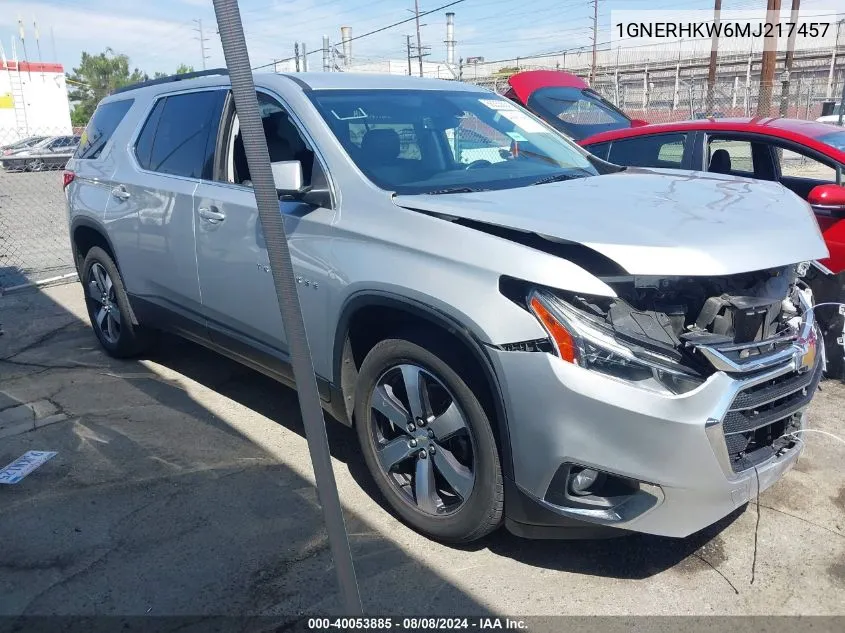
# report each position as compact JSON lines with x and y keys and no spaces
{"x":427,"y":441}
{"x":108,"y":306}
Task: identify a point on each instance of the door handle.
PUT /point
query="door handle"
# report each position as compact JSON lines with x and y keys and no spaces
{"x":120,"y":192}
{"x":211,"y":214}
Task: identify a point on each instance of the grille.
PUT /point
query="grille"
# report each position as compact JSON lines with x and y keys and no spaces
{"x":761,"y":414}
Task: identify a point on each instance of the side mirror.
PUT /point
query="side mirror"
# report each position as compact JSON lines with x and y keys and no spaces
{"x":828,"y":200}
{"x":287,"y":176}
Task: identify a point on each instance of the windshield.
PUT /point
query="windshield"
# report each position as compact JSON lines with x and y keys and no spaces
{"x":576,"y":112}
{"x":438,"y":141}
{"x":835,"y":139}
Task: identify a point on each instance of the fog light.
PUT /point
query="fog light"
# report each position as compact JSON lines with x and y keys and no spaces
{"x":581,"y":482}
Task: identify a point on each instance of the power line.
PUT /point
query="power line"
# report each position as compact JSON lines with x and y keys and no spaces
{"x":379,"y":30}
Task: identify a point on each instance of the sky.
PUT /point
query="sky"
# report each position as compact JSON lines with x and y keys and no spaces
{"x":158,"y":35}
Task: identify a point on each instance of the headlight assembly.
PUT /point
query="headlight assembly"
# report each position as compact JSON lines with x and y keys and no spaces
{"x":583,"y":341}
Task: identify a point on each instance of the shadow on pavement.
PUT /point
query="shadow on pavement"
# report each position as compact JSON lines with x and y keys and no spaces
{"x":630,"y":557}
{"x":156,"y":506}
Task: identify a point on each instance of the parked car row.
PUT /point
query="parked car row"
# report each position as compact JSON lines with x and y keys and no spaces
{"x":520,"y":333}
{"x":38,"y":153}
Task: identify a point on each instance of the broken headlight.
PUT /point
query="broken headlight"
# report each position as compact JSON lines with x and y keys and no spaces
{"x":581,"y":340}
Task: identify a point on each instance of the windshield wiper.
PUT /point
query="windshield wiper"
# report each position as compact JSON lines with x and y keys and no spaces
{"x":560,"y":178}
{"x":438,"y":192}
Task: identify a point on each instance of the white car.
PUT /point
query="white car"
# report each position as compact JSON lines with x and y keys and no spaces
{"x":832,"y":118}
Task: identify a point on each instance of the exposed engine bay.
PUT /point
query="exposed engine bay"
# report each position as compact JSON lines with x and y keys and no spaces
{"x":673,"y":315}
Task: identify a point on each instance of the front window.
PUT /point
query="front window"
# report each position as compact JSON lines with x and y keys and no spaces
{"x":438,"y":141}
{"x":578,"y":113}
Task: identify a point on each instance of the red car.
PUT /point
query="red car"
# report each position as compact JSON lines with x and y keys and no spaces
{"x":804,"y":156}
{"x":567,"y":103}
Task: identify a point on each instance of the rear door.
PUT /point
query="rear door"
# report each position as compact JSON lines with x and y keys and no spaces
{"x":151,"y":212}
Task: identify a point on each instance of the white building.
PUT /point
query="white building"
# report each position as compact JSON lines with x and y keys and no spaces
{"x":33,"y":100}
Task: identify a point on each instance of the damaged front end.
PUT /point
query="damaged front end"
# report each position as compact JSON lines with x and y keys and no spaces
{"x":669,"y":334}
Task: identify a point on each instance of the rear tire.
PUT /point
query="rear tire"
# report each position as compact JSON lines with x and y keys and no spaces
{"x":108,"y":306}
{"x":466,"y":495}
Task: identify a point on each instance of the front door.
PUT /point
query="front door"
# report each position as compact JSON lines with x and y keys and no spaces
{"x":238,"y":294}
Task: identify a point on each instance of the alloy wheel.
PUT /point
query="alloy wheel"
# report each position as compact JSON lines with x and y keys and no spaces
{"x":422,"y":441}
{"x":36,"y":164}
{"x":101,"y":298}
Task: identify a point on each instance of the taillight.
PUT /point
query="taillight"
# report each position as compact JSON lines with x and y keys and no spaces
{"x":67,"y":178}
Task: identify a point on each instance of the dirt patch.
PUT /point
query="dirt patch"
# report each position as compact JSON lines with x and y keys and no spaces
{"x":839,"y":500}
{"x":837,"y":572}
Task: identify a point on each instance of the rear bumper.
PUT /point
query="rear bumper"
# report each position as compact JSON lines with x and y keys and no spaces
{"x":674,"y":447}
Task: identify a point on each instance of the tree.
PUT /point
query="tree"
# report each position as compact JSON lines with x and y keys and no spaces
{"x":94,"y":78}
{"x":99,"y":75}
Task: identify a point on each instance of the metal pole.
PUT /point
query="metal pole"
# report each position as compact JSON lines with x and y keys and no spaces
{"x":272,"y":224}
{"x":304,"y":59}
{"x":714,"y":56}
{"x":419,"y":43}
{"x":829,"y":92}
{"x":748,"y":85}
{"x":408,"y":38}
{"x":296,"y":54}
{"x":595,"y":39}
{"x":767,"y":70}
{"x":790,"y":53}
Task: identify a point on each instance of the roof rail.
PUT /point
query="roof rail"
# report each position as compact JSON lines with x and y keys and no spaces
{"x":171,"y":78}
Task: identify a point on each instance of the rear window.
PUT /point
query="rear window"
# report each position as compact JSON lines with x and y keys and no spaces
{"x":665,"y":150}
{"x":599,"y":150}
{"x":101,"y":127}
{"x":177,"y":139}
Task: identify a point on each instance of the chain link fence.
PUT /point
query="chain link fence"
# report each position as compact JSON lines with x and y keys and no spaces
{"x":34,"y":241}
{"x":663,"y":84}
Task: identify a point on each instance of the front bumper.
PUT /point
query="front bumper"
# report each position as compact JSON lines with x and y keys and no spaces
{"x":674,"y":446}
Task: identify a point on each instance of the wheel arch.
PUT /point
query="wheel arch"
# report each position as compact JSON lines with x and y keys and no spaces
{"x":87,"y":232}
{"x":420,"y":312}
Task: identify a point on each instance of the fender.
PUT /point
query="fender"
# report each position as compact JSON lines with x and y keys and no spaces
{"x":368,"y":298}
{"x":90,"y":223}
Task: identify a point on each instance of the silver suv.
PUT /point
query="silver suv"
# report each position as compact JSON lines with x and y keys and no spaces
{"x":518,"y":331}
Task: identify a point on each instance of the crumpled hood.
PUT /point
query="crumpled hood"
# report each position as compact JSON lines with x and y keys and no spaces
{"x":653,"y":221}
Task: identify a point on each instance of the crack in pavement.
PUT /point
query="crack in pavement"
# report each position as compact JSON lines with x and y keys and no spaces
{"x":41,"y":339}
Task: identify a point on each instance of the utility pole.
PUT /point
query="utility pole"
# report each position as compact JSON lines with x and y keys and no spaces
{"x":595,"y":39}
{"x":419,"y":42}
{"x":201,"y":38}
{"x":304,"y":58}
{"x":769,"y":61}
{"x":296,"y":54}
{"x":714,"y":56}
{"x":408,"y":39}
{"x":790,"y":53}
